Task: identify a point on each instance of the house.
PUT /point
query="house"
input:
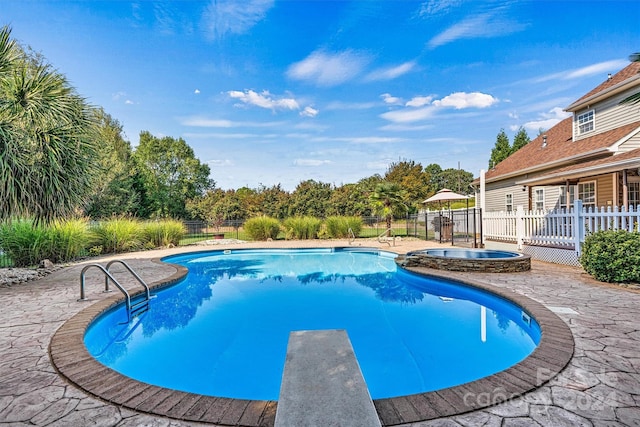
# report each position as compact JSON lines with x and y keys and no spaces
{"x":593,"y":156}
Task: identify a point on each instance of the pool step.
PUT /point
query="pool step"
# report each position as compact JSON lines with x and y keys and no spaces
{"x":322,"y":384}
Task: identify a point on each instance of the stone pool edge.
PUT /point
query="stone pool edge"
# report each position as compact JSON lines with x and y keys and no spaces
{"x":72,"y":361}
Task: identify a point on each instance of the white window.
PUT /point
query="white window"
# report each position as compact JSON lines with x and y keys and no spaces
{"x":585,"y":122}
{"x":634,"y":194}
{"x":508,"y":202}
{"x":563,"y":196}
{"x":539,"y":199}
{"x":587,"y":193}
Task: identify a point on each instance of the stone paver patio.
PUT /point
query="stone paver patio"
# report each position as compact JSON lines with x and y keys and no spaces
{"x":599,"y":387}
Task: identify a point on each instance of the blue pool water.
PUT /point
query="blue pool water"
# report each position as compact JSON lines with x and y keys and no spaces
{"x":471,"y":253}
{"x":223,"y":331}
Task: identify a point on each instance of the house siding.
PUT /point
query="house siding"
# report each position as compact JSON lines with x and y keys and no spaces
{"x":604,"y":190}
{"x":608,"y":115}
{"x":551,"y":197}
{"x":631,"y":144}
{"x":496,"y":195}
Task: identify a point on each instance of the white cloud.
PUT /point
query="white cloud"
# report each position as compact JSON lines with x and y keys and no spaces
{"x":220,"y":162}
{"x":599,"y":68}
{"x":311,"y":162}
{"x":404,"y":128}
{"x":222,"y":17}
{"x":485,"y":25}
{"x":119,"y":96}
{"x":547,"y":120}
{"x":340,"y":105}
{"x":391,"y":73}
{"x":197,"y":91}
{"x":116,"y":96}
{"x":419,"y":101}
{"x":264,"y":100}
{"x":199,"y":121}
{"x":389,"y":99}
{"x":309,"y":112}
{"x":593,"y":69}
{"x":422,"y":108}
{"x":460,"y":100}
{"x":207,"y":123}
{"x":437,"y":7}
{"x":328,"y":69}
{"x":358,"y":139}
{"x":379,"y":165}
{"x":409,"y":115}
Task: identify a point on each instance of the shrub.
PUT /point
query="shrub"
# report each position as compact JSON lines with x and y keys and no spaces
{"x":302,"y":228}
{"x":25,"y":242}
{"x":338,"y":226}
{"x":69,"y":239}
{"x":612,"y":256}
{"x":118,"y":235}
{"x":163,"y":233}
{"x":262,"y":228}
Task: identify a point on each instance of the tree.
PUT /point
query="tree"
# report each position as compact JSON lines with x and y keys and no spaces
{"x":202,"y":207}
{"x":310,"y":198}
{"x":273,"y":201}
{"x":388,"y":200}
{"x":114,"y":185}
{"x":411,"y":177}
{"x":171,"y":174}
{"x":520,"y":140}
{"x":501,"y":150}
{"x":47,"y":138}
{"x":458,"y":180}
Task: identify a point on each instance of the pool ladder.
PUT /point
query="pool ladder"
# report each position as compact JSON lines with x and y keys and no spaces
{"x":383,"y":238}
{"x":133,"y":308}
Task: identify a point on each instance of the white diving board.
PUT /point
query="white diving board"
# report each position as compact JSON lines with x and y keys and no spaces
{"x":322,"y":384}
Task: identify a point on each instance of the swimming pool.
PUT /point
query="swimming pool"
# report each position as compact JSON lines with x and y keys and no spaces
{"x":223,"y":330}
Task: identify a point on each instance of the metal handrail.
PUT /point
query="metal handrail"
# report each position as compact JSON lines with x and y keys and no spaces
{"x":133,"y":273}
{"x":390,"y":231}
{"x":108,"y":277}
{"x":351,"y":235}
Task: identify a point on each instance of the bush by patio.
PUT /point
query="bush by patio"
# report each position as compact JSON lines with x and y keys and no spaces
{"x":262,"y":228}
{"x":612,"y":256}
{"x":302,"y":228}
{"x":338,"y":226}
{"x":27,"y":243}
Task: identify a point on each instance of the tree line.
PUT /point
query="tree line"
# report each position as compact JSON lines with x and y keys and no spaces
{"x":62,"y":157}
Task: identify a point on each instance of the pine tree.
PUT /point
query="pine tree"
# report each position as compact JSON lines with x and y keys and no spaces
{"x":501,"y":150}
{"x":520,"y":140}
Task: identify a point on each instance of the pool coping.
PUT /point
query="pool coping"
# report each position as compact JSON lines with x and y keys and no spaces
{"x":73,"y":362}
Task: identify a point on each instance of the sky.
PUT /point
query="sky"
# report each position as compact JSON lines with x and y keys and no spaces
{"x":273,"y":92}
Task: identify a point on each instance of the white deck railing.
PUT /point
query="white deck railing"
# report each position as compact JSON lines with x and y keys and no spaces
{"x":559,"y":228}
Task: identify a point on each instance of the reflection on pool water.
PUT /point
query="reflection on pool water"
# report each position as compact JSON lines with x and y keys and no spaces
{"x":223,"y":331}
{"x":471,"y":253}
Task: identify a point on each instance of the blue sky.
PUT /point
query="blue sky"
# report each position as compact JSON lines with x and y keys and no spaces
{"x":270,"y":92}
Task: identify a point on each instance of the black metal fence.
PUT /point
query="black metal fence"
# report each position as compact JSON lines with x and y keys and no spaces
{"x":463,"y":226}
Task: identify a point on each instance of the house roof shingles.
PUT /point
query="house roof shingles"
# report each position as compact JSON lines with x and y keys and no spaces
{"x":560,"y":148}
{"x":626,"y":73}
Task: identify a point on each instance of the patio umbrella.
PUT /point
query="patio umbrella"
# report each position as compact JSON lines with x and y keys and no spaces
{"x":445,"y":195}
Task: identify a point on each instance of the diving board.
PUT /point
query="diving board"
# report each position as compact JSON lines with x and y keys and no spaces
{"x":322,"y":384}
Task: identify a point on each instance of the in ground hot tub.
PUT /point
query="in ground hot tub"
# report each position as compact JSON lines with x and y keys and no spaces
{"x":460,"y":259}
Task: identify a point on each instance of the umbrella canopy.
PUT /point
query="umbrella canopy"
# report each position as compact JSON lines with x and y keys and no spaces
{"x":445,"y":195}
